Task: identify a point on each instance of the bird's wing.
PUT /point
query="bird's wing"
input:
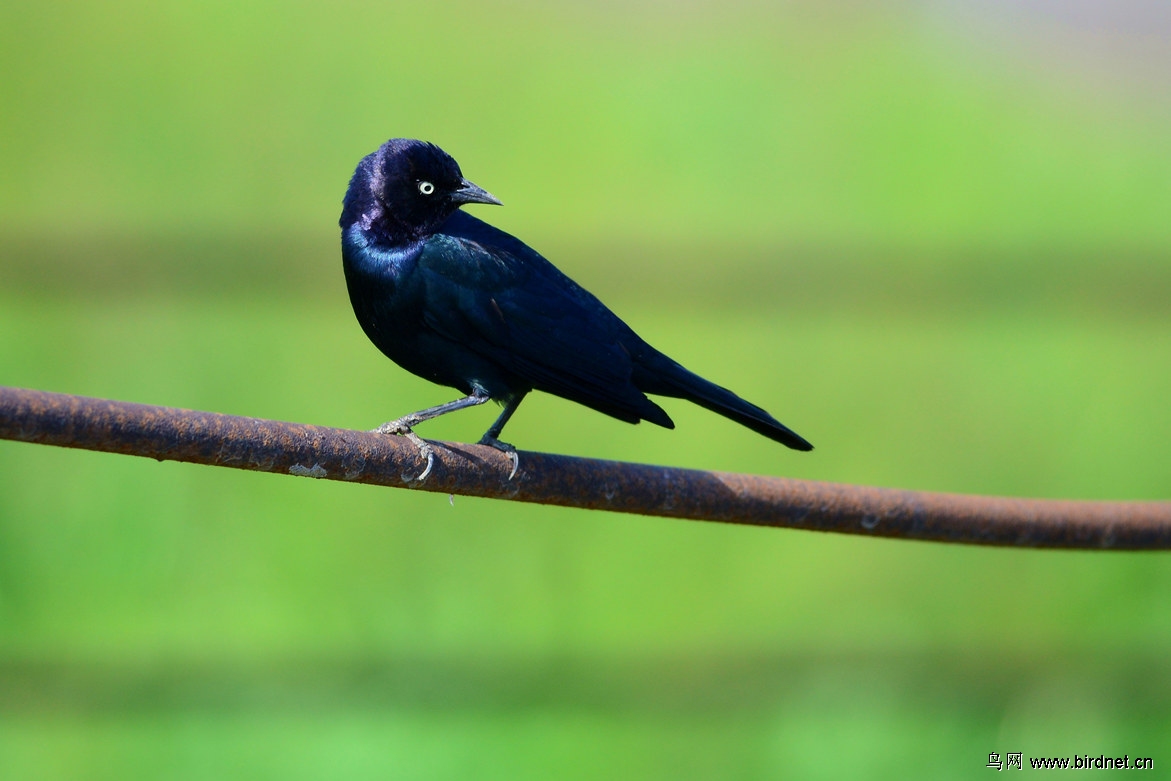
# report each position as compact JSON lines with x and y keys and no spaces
{"x":490,"y":293}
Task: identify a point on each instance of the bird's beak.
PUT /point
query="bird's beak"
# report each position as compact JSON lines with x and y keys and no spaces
{"x":470,"y":193}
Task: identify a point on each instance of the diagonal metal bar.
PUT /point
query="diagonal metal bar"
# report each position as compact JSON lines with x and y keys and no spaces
{"x":260,"y":445}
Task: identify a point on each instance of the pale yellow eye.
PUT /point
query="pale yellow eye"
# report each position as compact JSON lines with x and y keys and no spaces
{"x":426,"y":188}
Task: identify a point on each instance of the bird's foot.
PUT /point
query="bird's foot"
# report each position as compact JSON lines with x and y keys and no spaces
{"x":402,"y":428}
{"x":505,"y":448}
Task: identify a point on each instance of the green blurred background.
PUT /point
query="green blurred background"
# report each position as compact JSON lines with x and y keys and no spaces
{"x":933,"y":237}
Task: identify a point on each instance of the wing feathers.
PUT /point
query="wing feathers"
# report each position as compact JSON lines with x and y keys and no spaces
{"x":508,"y":304}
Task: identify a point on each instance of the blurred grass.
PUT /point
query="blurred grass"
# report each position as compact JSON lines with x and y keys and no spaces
{"x":858,"y":123}
{"x":940,"y":252}
{"x":155,"y":612}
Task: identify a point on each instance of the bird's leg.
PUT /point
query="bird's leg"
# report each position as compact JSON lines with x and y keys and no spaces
{"x":490,"y":436}
{"x":406,"y":422}
{"x":403,"y":425}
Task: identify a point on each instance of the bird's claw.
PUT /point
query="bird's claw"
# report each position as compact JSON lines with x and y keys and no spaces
{"x":425,"y":450}
{"x":401,"y":427}
{"x":506,"y":449}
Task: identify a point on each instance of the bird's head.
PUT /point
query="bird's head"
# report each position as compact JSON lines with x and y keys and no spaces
{"x":406,"y":189}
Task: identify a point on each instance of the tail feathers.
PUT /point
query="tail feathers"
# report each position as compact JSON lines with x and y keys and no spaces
{"x":677,"y":382}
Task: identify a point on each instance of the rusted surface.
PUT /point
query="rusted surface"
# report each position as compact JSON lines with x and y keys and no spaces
{"x":355,"y":456}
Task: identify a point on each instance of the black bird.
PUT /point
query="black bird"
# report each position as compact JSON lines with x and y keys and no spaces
{"x":458,"y":302}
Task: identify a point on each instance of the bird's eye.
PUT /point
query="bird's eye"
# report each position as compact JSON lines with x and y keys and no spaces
{"x":426,"y":188}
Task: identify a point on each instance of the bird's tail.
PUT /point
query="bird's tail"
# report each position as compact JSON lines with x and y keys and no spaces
{"x":668,"y":378}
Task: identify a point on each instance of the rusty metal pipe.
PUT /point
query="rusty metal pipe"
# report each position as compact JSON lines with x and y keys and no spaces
{"x":170,"y":434}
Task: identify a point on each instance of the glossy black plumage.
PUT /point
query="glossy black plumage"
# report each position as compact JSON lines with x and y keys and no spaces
{"x":452,"y":299}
